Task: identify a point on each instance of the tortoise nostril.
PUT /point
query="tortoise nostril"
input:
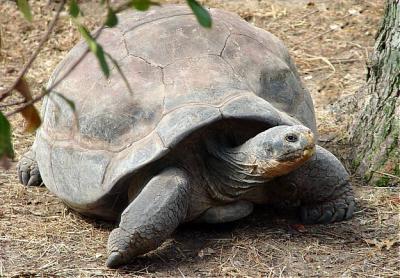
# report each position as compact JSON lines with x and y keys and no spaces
{"x":291,"y":138}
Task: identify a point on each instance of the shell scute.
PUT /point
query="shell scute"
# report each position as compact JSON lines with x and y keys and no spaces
{"x":177,"y":38}
{"x":185,"y":88}
{"x":183,"y":78}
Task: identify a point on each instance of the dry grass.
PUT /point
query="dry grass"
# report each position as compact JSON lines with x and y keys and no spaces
{"x":329,"y":40}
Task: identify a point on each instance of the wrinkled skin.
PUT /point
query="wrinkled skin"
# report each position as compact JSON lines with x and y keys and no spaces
{"x":184,"y":146}
{"x":279,"y":162}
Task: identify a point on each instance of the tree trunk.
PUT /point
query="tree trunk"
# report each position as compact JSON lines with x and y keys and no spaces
{"x":374,"y":135}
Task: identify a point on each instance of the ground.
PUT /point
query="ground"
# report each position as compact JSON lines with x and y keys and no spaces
{"x":330,"y":42}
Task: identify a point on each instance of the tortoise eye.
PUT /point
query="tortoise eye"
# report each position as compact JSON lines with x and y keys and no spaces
{"x":291,"y":138}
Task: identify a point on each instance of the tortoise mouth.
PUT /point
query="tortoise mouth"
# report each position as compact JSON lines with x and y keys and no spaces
{"x":296,"y":155}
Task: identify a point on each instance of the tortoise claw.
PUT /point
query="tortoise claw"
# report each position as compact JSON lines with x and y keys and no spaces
{"x":114,"y":260}
{"x":28,"y":171}
{"x":150,"y":218}
{"x":339,"y":209}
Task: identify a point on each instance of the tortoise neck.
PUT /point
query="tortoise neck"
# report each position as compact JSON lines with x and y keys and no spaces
{"x":233,"y":172}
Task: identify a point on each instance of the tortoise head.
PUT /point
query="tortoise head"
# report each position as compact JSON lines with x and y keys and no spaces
{"x":286,"y":147}
{"x":278,"y":150}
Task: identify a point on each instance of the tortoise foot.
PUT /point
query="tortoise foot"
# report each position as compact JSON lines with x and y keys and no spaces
{"x":335,"y":210}
{"x":150,"y":218}
{"x":28,"y":170}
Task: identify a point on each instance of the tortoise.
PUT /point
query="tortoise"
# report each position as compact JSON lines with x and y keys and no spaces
{"x":218,"y":120}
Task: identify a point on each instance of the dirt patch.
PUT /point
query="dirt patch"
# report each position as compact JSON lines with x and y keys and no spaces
{"x":330,"y":41}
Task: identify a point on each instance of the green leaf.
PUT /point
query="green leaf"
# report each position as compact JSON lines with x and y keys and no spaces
{"x":25,"y":9}
{"x":6,"y":148}
{"x":67,"y":100}
{"x":112,"y":19}
{"x":202,"y":15}
{"x":96,"y":49}
{"x":102,"y":60}
{"x":29,"y":113}
{"x":141,"y":5}
{"x":73,"y":8}
{"x":85,"y":33}
{"x":115,"y":63}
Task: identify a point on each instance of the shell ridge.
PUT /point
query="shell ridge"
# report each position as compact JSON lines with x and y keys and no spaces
{"x":263,"y":46}
{"x":155,"y":20}
{"x":126,"y":133}
{"x":226,"y":41}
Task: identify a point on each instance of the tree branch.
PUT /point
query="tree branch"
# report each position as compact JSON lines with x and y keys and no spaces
{"x":43,"y":40}
{"x":117,"y":9}
{"x":15,"y":103}
{"x":46,"y":91}
{"x":27,"y":103}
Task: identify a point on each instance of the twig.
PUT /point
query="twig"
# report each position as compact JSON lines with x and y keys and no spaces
{"x":386,"y":174}
{"x":49,"y":89}
{"x":118,"y":9}
{"x":317,"y":36}
{"x":345,"y":61}
{"x":323,"y":59}
{"x":12,"y":103}
{"x":306,"y":15}
{"x":333,"y":62}
{"x":299,"y":19}
{"x":27,"y":103}
{"x":44,"y":39}
{"x":46,"y":91}
{"x":324,"y":33}
{"x":183,"y":275}
{"x":55,"y":84}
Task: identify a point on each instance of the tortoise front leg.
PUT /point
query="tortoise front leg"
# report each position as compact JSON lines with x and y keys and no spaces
{"x":28,"y":170}
{"x":323,"y":188}
{"x":150,"y":218}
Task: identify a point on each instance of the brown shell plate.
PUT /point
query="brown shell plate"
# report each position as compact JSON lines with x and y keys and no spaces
{"x":183,"y":77}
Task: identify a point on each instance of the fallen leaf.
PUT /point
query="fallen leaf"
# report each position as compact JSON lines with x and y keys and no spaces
{"x":298,"y":227}
{"x":395,"y":200}
{"x":380,"y":244}
{"x":30,"y":114}
{"x":23,"y":87}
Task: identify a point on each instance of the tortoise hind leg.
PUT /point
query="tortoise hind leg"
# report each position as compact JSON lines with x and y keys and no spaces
{"x":323,"y":188}
{"x":150,"y":218}
{"x":28,"y":170}
{"x":226,"y":213}
{"x":337,"y":209}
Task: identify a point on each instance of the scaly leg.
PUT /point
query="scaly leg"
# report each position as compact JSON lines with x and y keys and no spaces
{"x":28,"y":170}
{"x":323,"y":188}
{"x":150,"y":218}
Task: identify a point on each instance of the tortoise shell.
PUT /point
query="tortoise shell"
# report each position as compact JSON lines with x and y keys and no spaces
{"x":183,"y":77}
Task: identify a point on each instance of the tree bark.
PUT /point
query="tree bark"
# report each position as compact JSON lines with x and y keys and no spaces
{"x":374,"y":135}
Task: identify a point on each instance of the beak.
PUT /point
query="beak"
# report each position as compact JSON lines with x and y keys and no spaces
{"x":310,"y":149}
{"x":309,"y":152}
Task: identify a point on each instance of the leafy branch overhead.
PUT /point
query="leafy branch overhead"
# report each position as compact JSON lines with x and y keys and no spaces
{"x":6,"y":148}
{"x":202,"y":15}
{"x":25,"y":9}
{"x":26,"y":107}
